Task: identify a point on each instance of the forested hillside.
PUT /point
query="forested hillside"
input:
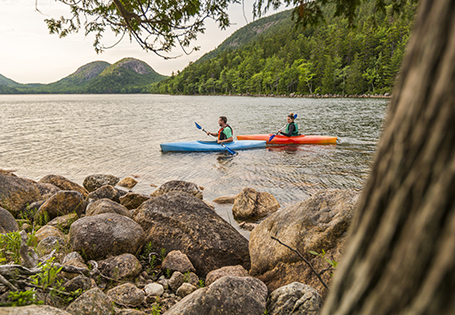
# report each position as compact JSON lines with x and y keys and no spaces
{"x":270,"y":56}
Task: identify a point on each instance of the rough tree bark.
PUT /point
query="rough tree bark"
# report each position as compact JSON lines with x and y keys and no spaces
{"x":400,"y":257}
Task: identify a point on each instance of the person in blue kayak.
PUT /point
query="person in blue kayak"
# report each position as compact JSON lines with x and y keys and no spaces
{"x":291,"y":129}
{"x":225,"y":133}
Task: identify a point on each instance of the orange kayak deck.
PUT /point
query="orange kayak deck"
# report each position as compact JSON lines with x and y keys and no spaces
{"x":280,"y":139}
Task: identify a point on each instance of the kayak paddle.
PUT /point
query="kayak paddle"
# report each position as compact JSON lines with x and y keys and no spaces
{"x":228,"y":149}
{"x":273,"y":136}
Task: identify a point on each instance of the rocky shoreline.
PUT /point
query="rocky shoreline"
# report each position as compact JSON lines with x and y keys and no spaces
{"x":109,"y":250}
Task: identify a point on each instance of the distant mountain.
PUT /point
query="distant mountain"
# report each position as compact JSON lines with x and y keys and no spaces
{"x":4,"y":81}
{"x":128,"y":75}
{"x":250,"y":32}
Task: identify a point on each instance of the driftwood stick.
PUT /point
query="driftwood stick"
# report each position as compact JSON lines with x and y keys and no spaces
{"x":305,"y":260}
{"x":8,"y":284}
{"x":12,"y":270}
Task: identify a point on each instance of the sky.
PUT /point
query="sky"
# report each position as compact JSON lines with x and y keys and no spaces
{"x":29,"y":54}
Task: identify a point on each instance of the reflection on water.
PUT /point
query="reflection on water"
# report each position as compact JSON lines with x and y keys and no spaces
{"x":78,"y":135}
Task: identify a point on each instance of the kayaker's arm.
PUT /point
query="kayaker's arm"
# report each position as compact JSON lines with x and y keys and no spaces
{"x":212,"y":134}
{"x":291,"y":129}
{"x":230,"y":139}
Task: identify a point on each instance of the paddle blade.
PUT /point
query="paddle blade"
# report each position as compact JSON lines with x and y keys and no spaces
{"x":197,"y":126}
{"x":230,"y":150}
{"x":271,"y":137}
{"x":295,"y":116}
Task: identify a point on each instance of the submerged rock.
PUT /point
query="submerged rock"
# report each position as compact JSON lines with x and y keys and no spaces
{"x":249,"y":204}
{"x":128,"y":182}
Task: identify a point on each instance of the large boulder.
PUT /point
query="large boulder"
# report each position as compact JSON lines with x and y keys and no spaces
{"x":16,"y":193}
{"x":178,"y":185}
{"x":107,"y":206}
{"x":7,"y":222}
{"x":294,"y":299}
{"x":95,"y":181}
{"x":63,"y":183}
{"x":179,"y":221}
{"x":315,"y":224}
{"x":107,"y":192}
{"x":62,"y":203}
{"x":32,"y":310}
{"x":105,"y":234}
{"x":227,"y":296}
{"x":250,"y":204}
{"x":91,"y":302}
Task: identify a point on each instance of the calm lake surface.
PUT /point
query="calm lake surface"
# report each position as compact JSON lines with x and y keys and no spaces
{"x":79,"y":135}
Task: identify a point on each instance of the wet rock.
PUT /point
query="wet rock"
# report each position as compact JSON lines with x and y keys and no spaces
{"x":225,"y":199}
{"x":178,"y":185}
{"x":179,"y":221}
{"x":79,"y":282}
{"x":32,"y":310}
{"x":126,"y":294}
{"x":92,"y":302}
{"x":177,"y":261}
{"x":185,"y":289}
{"x":106,"y":192}
{"x":63,"y":222}
{"x":16,"y":193}
{"x":294,"y":299}
{"x":62,"y":203}
{"x":106,"y":234}
{"x":125,"y":266}
{"x":127,"y":182}
{"x":107,"y":206}
{"x":249,"y":204}
{"x":7,"y":222}
{"x":133,"y":200}
{"x":247,"y":225}
{"x":227,"y":296}
{"x":63,"y":183}
{"x":154,"y":289}
{"x":319,"y":222}
{"x":237,"y":271}
{"x":95,"y":181}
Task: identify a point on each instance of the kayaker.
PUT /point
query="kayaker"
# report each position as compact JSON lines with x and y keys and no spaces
{"x":225,"y":133}
{"x":292,"y":129}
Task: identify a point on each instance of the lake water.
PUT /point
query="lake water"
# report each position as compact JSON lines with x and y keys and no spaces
{"x":79,"y":135}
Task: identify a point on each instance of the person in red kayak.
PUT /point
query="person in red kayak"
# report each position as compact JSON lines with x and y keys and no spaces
{"x":225,"y":133}
{"x":292,"y":129}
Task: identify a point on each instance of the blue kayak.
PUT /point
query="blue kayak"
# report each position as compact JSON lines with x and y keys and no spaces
{"x":210,"y":146}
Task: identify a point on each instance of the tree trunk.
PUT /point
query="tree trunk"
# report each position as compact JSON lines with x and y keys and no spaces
{"x":400,"y":257}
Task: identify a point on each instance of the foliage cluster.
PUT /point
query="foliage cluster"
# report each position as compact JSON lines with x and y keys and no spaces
{"x":330,"y":59}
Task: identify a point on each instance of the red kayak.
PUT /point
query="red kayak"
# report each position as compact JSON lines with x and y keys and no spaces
{"x":280,"y":139}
